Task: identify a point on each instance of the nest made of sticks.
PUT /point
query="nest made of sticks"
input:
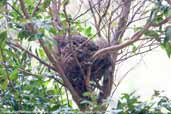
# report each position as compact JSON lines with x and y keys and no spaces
{"x":78,"y":65}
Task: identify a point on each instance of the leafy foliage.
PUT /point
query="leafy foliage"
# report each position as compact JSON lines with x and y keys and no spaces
{"x":21,"y":90}
{"x":132,"y":104}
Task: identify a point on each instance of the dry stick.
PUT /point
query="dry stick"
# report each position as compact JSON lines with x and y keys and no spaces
{"x":79,"y":10}
{"x":86,"y":11}
{"x":120,"y":30}
{"x":129,"y":54}
{"x":142,"y":46}
{"x":119,"y":61}
{"x":135,"y":13}
{"x":24,"y":10}
{"x":156,"y":25}
{"x":109,"y":29}
{"x":123,"y":77}
{"x":104,"y":14}
{"x":55,"y":14}
{"x":36,"y":8}
{"x":123,"y":59}
{"x":94,"y":17}
{"x":59,"y":5}
{"x":110,"y":22}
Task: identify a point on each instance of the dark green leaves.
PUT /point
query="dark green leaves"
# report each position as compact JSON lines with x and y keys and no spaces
{"x":23,"y":34}
{"x":65,"y":2}
{"x":31,"y":37}
{"x":134,"y":48}
{"x":3,"y":38}
{"x":2,"y":2}
{"x":131,"y":104}
{"x":46,"y":3}
{"x":39,"y":35}
{"x":166,"y":45}
{"x":151,"y":33}
{"x":159,"y":12}
{"x":14,"y":74}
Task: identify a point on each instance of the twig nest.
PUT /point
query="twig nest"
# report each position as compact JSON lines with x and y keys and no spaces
{"x":77,"y":52}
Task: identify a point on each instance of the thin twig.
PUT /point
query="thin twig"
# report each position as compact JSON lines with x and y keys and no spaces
{"x":23,"y":8}
{"x":36,"y":8}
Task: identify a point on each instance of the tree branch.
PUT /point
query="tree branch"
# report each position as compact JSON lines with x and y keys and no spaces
{"x":122,"y":21}
{"x":55,"y":14}
{"x":133,"y":39}
{"x":36,"y":8}
{"x":24,"y":10}
{"x":60,"y":70}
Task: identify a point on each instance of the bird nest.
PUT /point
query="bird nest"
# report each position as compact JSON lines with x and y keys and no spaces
{"x":85,"y":73}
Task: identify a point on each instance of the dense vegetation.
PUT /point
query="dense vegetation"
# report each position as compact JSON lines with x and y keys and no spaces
{"x":32,"y":77}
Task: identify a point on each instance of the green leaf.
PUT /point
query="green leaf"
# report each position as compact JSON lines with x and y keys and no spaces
{"x":165,"y":10}
{"x":65,"y":2}
{"x":14,"y":75}
{"x":151,"y":33}
{"x":137,"y":29}
{"x":4,"y":84}
{"x":88,"y":94}
{"x":1,"y":16}
{"x":41,"y":53}
{"x":88,"y":31}
{"x":53,"y":30}
{"x":39,"y":35}
{"x":23,"y":34}
{"x":159,"y":18}
{"x":134,"y":48}
{"x":2,"y":3}
{"x":3,"y":38}
{"x":167,"y":47}
{"x":46,"y":3}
